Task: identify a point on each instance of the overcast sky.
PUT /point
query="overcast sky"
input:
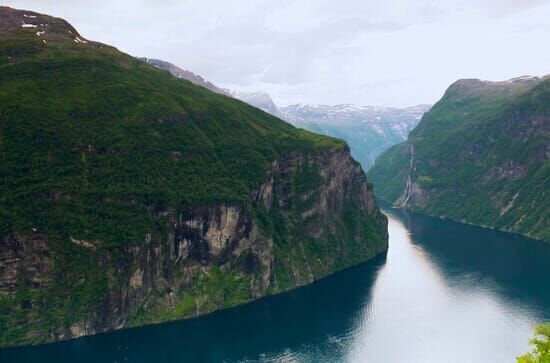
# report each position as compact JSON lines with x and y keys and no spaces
{"x":367,"y":52}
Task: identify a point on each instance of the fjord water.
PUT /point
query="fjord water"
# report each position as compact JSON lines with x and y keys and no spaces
{"x":445,"y":292}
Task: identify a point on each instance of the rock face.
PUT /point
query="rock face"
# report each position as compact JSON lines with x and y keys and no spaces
{"x":131,"y":197}
{"x":185,"y":74}
{"x":480,"y":156}
{"x":313,"y":215}
{"x":260,"y":100}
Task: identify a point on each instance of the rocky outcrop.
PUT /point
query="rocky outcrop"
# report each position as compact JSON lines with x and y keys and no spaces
{"x":313,"y":215}
{"x":185,"y":74}
{"x":26,"y":256}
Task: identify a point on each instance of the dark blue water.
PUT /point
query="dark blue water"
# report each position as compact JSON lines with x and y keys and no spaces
{"x":445,"y":292}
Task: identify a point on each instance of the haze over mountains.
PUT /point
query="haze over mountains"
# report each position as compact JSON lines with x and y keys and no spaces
{"x":368,"y":130}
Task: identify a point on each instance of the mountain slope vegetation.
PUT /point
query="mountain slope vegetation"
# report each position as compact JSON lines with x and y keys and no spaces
{"x":480,"y":155}
{"x":128,"y":196}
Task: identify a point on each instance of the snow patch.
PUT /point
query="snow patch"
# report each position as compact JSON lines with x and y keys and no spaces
{"x":78,"y":40}
{"x":522,"y":78}
{"x":25,"y":25}
{"x":29,"y":16}
{"x":82,"y":243}
{"x":40,"y":33}
{"x":378,"y":129}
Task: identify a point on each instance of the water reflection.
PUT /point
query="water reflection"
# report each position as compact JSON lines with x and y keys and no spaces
{"x":513,"y":266}
{"x":308,"y":322}
{"x":445,"y":292}
{"x":453,"y":293}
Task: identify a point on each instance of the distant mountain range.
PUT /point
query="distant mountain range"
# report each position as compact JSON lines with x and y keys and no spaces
{"x":260,"y":100}
{"x":368,"y":130}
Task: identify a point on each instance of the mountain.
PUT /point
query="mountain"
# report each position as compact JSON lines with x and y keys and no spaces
{"x":480,"y":156}
{"x":260,"y":100}
{"x":130,"y":197}
{"x":185,"y":74}
{"x":368,"y":130}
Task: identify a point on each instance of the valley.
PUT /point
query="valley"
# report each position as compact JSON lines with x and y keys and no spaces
{"x":267,"y":210}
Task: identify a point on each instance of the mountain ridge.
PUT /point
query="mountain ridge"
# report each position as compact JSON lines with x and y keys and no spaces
{"x":481,"y":155}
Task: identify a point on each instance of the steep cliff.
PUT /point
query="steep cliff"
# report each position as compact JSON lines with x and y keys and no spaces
{"x":130,"y":197}
{"x":481,"y":155}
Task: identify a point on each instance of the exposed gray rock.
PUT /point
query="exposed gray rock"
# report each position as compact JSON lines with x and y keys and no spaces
{"x":159,"y":273}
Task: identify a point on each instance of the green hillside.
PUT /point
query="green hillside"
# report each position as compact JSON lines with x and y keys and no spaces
{"x":107,"y":166}
{"x":481,"y":156}
{"x":84,"y":123}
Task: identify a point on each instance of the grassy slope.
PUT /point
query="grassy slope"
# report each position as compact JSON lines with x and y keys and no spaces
{"x":477,"y":127}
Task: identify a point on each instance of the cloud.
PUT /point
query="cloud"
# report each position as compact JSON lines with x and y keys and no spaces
{"x":396,"y":52}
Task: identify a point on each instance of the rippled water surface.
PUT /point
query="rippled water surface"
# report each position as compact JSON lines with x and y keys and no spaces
{"x":445,"y":292}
